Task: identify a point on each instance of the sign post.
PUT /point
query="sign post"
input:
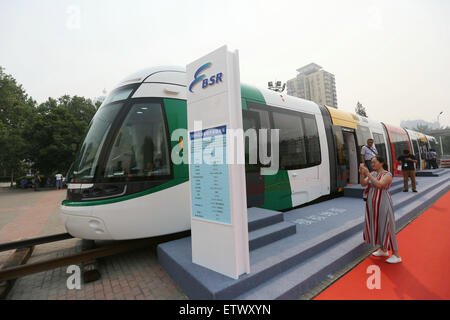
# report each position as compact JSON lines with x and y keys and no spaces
{"x":219,"y":224}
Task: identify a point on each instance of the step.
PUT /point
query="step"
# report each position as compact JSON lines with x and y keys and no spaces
{"x":264,"y":236}
{"x":356,"y":191}
{"x":406,"y":198}
{"x":260,"y":218}
{"x":430,"y":173}
{"x":266,"y":262}
{"x":399,"y":188}
{"x":300,"y":279}
{"x":270,"y":262}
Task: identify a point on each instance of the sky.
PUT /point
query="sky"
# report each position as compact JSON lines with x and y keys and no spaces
{"x":392,"y":56}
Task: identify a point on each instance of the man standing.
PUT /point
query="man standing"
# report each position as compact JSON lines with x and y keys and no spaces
{"x":428,"y":159}
{"x":37,"y":180}
{"x":368,"y":152}
{"x":434,"y":157}
{"x":58,"y":177}
{"x":408,"y":167}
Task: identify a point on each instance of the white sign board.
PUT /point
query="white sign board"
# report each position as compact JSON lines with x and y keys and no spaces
{"x":219,"y":224}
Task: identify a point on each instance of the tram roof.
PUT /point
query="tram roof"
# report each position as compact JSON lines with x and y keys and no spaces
{"x":142,"y":75}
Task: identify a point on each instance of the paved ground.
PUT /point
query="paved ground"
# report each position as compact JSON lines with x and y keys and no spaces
{"x":132,"y":275}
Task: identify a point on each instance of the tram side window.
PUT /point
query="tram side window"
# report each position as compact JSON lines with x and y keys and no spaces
{"x":435,"y":146}
{"x":299,"y":142}
{"x":312,"y":140}
{"x":419,"y":148}
{"x":400,"y":144}
{"x":140,"y":148}
{"x":258,"y":116}
{"x":251,"y":126}
{"x":380,"y":144}
{"x":292,"y":143}
{"x":363,"y":134}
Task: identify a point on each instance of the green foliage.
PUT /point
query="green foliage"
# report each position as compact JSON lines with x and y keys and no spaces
{"x":46,"y":136}
{"x":57,"y":131}
{"x":16,"y":113}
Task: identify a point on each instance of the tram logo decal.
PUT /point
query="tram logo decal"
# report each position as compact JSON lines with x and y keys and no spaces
{"x":206,"y":82}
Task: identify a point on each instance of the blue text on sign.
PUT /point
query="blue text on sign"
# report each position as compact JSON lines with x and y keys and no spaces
{"x":212,"y":80}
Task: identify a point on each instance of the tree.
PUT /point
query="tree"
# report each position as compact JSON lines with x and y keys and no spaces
{"x":16,"y":113}
{"x":360,"y":110}
{"x":57,"y":131}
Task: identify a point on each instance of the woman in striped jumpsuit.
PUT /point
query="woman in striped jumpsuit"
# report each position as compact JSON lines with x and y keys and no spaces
{"x":379,"y":227}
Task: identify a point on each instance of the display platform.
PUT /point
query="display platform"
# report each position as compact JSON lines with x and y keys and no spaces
{"x":292,"y":252}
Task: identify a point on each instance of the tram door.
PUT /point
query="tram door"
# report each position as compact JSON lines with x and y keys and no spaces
{"x":254,"y":179}
{"x":347,"y":156}
{"x":352,"y":152}
{"x":417,"y":153}
{"x":423,"y":150}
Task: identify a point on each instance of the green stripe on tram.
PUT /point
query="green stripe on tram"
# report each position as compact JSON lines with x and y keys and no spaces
{"x":176,"y":112}
{"x":251,"y":94}
{"x":167,"y":185}
{"x":277,"y":191}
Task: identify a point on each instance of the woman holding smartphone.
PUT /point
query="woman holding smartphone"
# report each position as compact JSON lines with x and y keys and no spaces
{"x":379,"y":228}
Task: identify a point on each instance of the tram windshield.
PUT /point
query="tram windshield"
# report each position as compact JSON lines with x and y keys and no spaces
{"x":140,"y":148}
{"x":86,"y":161}
{"x":127,"y":140}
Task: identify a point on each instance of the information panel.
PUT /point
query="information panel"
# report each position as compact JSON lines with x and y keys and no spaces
{"x":219,"y":222}
{"x":209,"y":178}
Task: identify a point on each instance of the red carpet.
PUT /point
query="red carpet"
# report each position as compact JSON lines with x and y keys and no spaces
{"x":424,"y":274}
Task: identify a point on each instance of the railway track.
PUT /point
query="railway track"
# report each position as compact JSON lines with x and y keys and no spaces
{"x":16,"y":266}
{"x":34,"y":241}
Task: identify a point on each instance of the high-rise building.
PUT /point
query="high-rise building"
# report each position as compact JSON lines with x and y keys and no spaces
{"x":315,"y":84}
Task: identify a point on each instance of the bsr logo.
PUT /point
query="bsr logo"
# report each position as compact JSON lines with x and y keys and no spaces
{"x":206,"y":82}
{"x":212,"y":80}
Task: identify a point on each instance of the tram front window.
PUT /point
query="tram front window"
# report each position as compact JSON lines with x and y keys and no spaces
{"x":140,"y":147}
{"x":87,"y":160}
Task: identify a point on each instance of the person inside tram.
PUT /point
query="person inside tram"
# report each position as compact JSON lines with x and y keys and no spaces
{"x":408,"y":168}
{"x":368,"y":152}
{"x":147,"y":151}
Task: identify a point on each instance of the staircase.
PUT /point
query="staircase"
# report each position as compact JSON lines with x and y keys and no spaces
{"x":266,"y":226}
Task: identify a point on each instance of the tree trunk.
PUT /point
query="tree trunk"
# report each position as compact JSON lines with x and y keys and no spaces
{"x":12,"y":178}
